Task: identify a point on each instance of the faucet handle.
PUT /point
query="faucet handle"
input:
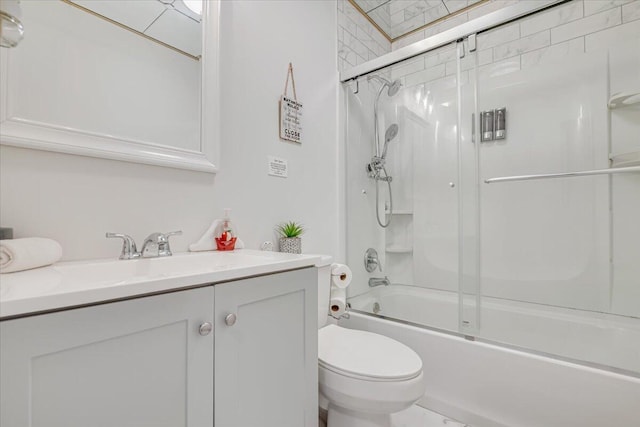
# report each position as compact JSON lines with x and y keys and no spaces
{"x":162,"y":240}
{"x":371,"y":260}
{"x":129,"y":250}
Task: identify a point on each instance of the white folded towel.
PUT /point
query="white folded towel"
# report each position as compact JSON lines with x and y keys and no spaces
{"x":207,"y":241}
{"x":26,"y":253}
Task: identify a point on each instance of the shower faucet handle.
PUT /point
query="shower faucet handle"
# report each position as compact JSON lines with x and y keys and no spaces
{"x":371,"y":260}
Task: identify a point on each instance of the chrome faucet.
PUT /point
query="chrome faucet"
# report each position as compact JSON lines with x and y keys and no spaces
{"x":157,"y":245}
{"x":129,"y":250}
{"x":378,"y":281}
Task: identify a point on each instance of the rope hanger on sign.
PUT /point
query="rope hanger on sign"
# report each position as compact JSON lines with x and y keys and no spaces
{"x":293,"y":82}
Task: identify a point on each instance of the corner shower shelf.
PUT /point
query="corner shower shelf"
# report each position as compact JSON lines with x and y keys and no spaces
{"x":624,"y":99}
{"x":398,"y":250}
{"x":626,"y":160}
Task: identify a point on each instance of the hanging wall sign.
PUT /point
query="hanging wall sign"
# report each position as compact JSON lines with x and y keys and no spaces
{"x":290,"y":123}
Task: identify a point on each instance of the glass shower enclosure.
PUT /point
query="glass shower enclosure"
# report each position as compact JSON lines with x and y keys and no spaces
{"x":500,"y":196}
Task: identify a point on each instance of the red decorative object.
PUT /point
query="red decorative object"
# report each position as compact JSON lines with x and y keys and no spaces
{"x":225,"y":245}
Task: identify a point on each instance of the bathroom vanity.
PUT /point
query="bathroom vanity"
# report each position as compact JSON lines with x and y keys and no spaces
{"x":224,"y":339}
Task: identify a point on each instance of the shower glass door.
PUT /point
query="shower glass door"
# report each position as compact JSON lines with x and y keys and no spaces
{"x":465,"y":199}
{"x":418,"y":277}
{"x":556,"y":269}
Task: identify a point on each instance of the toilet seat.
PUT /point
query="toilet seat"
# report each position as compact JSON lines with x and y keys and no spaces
{"x":366,"y":356}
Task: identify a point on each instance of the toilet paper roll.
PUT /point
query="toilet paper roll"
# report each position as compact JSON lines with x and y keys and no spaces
{"x":341,"y":275}
{"x":338,"y":302}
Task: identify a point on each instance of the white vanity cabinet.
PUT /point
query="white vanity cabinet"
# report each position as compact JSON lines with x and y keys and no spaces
{"x":135,"y":363}
{"x":266,"y":372}
{"x":149,"y":361}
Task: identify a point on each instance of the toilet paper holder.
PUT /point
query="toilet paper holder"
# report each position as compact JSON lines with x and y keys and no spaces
{"x":341,"y":276}
{"x":336,"y":308}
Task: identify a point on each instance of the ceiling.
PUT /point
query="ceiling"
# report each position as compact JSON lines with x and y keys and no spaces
{"x":397,"y":18}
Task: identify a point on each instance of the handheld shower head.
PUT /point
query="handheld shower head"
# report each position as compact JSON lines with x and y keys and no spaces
{"x":389,"y":135}
{"x":392,"y":132}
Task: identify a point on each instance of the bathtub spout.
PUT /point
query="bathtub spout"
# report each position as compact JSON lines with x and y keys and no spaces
{"x":377,"y":281}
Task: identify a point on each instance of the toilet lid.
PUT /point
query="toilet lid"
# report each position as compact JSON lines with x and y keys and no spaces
{"x":362,"y":354}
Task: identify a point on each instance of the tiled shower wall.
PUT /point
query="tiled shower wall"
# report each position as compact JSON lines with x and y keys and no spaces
{"x":358,"y":40}
{"x":483,"y":9}
{"x":575,"y":27}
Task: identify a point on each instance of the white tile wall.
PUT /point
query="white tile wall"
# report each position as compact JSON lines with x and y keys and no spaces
{"x":505,"y":33}
{"x":552,"y":18}
{"x":522,"y":45}
{"x":605,"y":38}
{"x":587,"y":25}
{"x":631,"y":12}
{"x":553,"y":53}
{"x":358,"y":40}
{"x":595,"y":6}
{"x":571,"y":28}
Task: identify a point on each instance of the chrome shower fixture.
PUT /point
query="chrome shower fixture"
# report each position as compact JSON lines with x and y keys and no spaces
{"x":393,"y":87}
{"x":375,"y":168}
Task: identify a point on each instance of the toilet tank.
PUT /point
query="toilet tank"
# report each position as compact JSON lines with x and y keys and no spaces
{"x":324,"y":288}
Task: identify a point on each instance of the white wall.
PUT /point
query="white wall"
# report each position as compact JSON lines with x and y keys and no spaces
{"x":75,"y":200}
{"x":253,"y":77}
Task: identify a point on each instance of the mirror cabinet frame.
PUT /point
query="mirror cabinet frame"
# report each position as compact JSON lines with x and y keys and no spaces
{"x":18,"y":132}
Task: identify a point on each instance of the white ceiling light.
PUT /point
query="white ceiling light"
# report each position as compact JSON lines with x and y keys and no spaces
{"x":194,"y":5}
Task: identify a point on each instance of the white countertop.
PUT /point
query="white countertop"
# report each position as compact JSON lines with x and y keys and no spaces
{"x":69,"y":284}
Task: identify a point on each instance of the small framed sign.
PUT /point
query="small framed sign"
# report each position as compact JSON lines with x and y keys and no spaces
{"x":277,"y":167}
{"x":290,"y":120}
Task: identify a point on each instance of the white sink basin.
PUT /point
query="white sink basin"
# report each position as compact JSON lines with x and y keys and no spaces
{"x":76,"y":283}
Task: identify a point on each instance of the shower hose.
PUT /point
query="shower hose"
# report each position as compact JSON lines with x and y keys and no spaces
{"x":386,"y":224}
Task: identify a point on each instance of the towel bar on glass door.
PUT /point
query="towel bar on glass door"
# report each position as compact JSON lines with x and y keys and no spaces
{"x":611,"y":171}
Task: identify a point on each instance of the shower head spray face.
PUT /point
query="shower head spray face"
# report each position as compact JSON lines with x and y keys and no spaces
{"x":394,"y":88}
{"x":392,"y":132}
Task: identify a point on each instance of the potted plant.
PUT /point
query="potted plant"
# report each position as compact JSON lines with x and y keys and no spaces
{"x":290,"y":240}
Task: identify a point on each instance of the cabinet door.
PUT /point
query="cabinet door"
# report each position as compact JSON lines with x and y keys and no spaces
{"x":266,"y":372}
{"x":135,"y":363}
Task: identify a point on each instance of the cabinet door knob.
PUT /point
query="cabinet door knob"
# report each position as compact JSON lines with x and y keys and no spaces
{"x":230,"y":319}
{"x":205,"y":329}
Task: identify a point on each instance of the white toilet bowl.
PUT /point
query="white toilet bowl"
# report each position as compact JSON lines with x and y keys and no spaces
{"x":363,"y":377}
{"x":366,"y":377}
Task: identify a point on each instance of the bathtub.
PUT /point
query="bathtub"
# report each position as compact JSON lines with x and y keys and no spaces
{"x":489,"y":385}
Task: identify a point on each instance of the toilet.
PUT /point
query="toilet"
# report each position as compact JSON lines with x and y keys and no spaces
{"x":363,"y":377}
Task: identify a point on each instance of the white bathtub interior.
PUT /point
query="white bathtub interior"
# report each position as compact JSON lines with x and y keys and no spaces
{"x":609,"y":340}
{"x":550,"y":265}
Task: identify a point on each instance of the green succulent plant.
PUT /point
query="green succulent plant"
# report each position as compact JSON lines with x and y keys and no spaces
{"x":290,"y":229}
